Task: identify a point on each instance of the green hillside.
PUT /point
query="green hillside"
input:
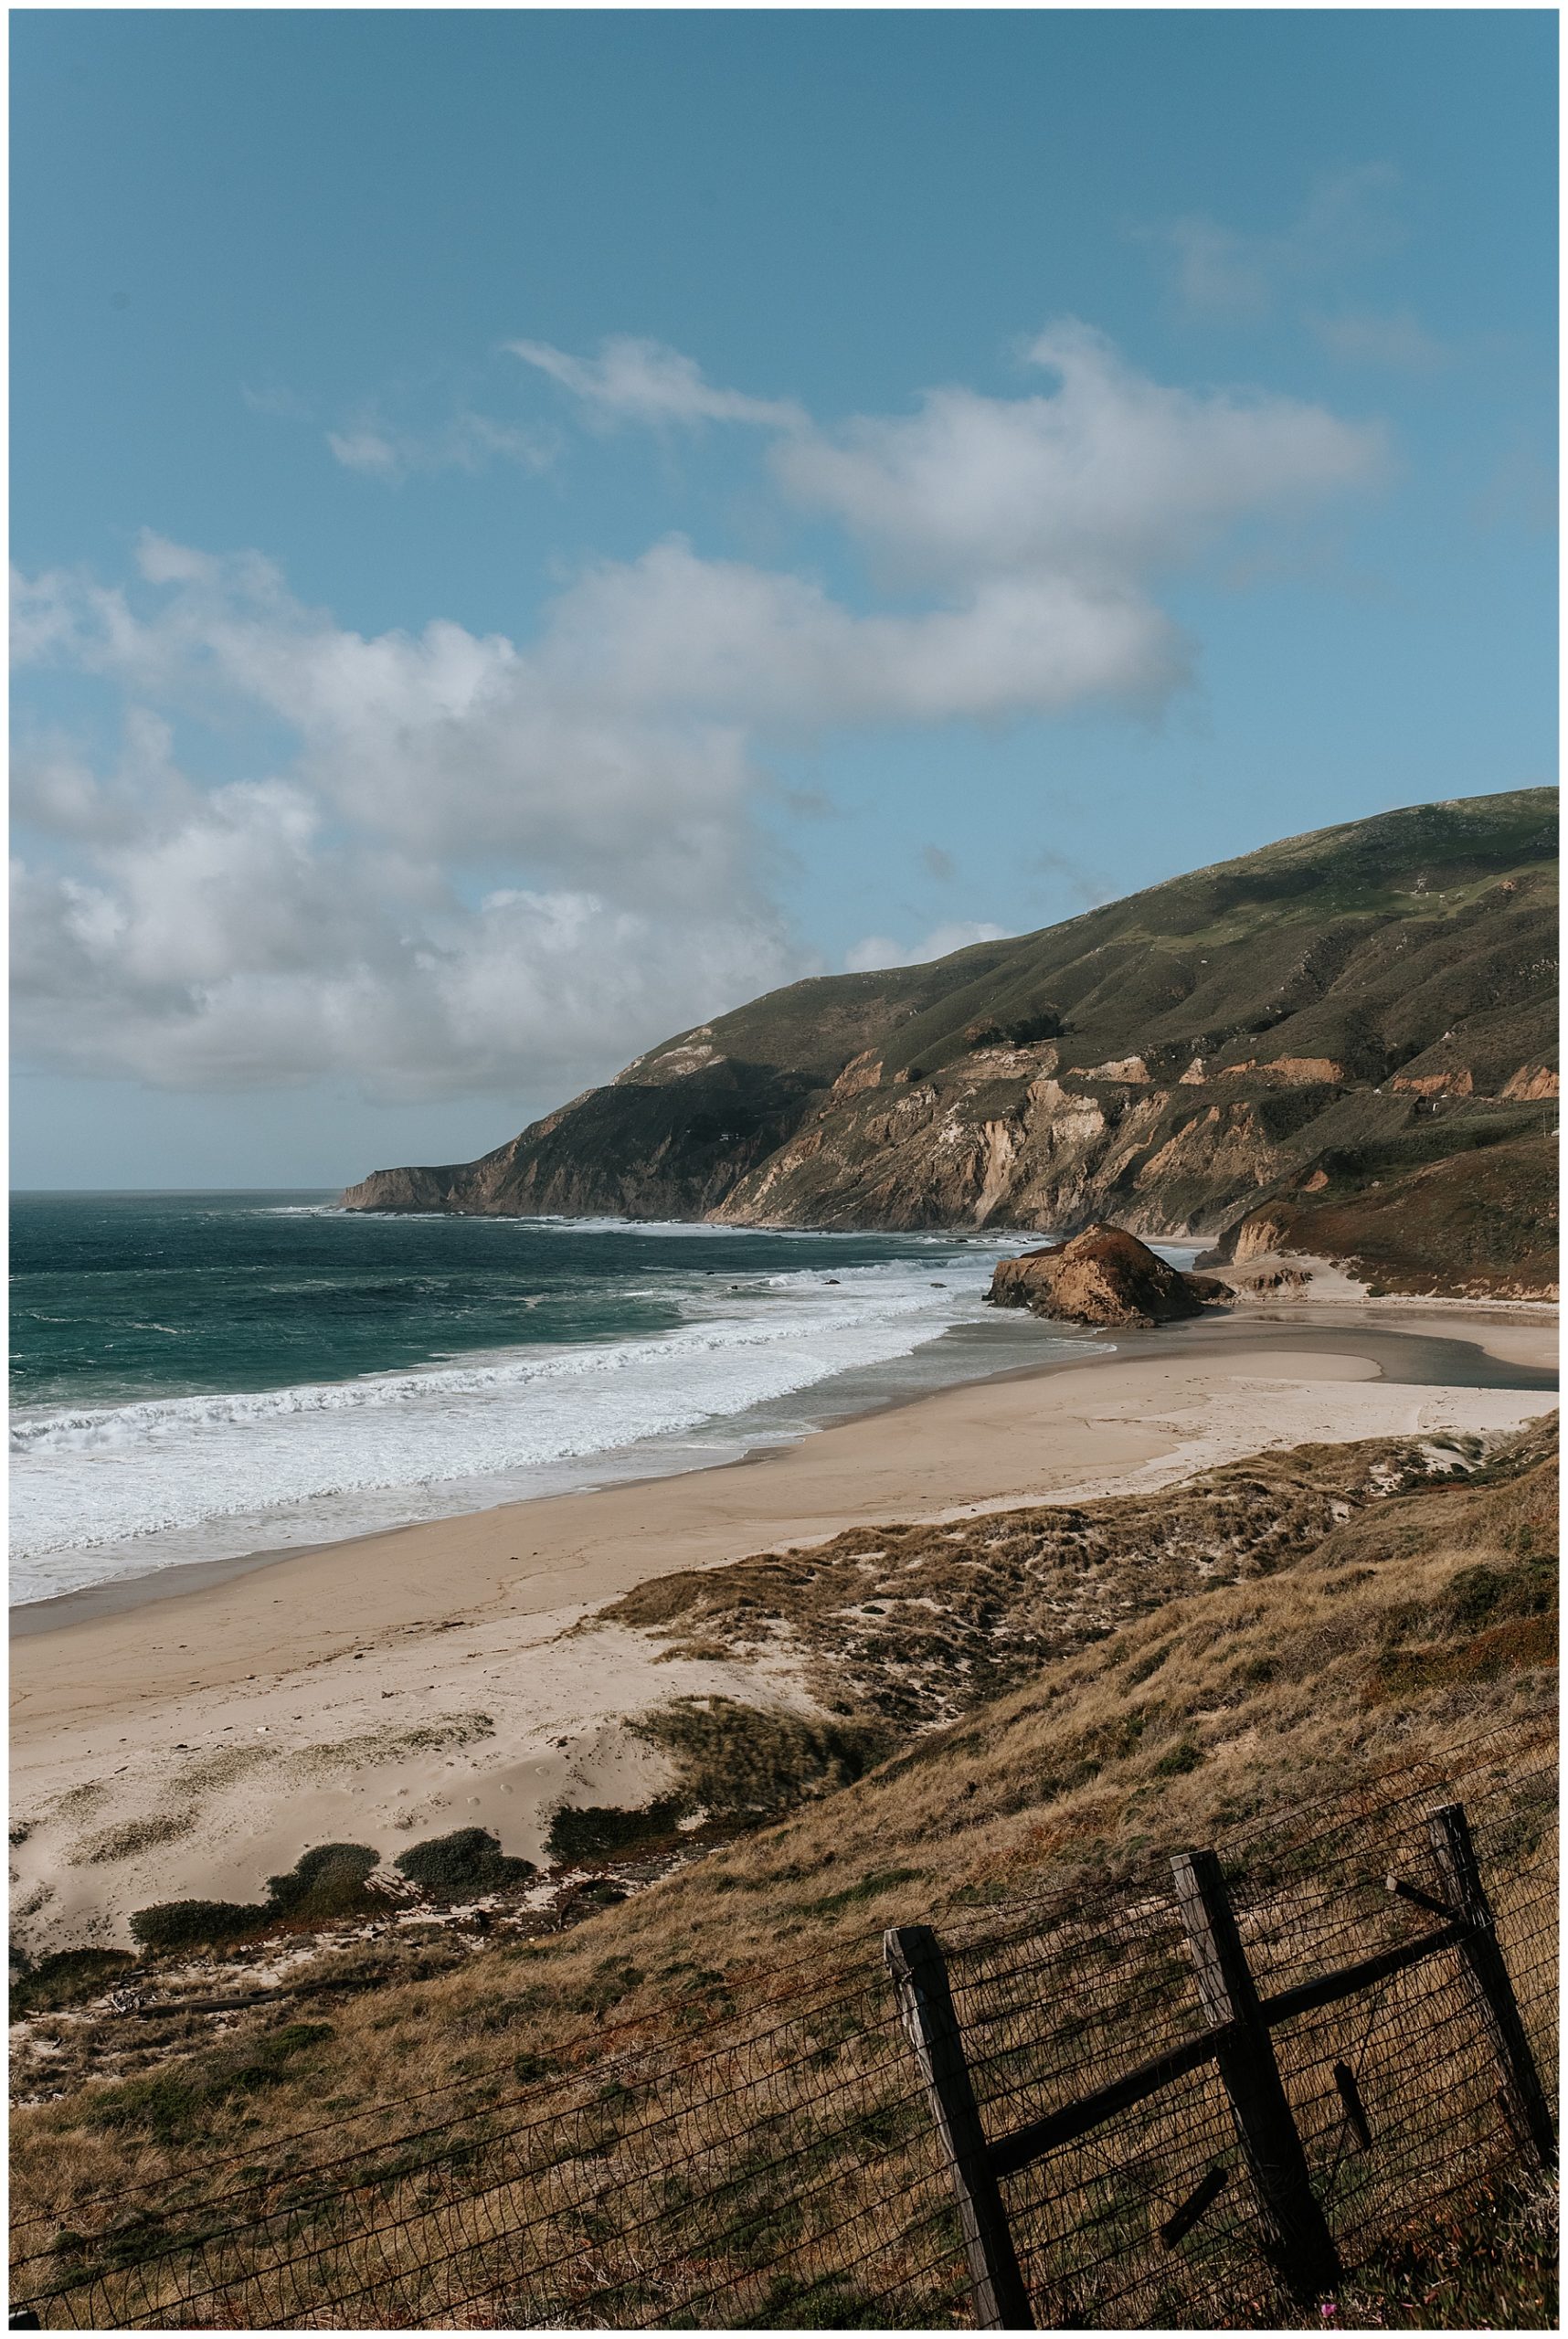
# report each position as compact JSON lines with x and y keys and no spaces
{"x":1171,"y":1059}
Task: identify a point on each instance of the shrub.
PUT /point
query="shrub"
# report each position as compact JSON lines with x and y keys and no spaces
{"x":612,"y":1981}
{"x":330,"y":1880}
{"x":599,"y":1831}
{"x":191,"y":1924}
{"x":467,"y":1860}
{"x":1044,"y":1024}
{"x":880,"y":1880}
{"x":66,"y":1978}
{"x":1472,"y":1594}
{"x":738,"y":1758}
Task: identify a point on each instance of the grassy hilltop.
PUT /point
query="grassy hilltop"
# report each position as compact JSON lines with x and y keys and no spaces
{"x":1307,"y":1025}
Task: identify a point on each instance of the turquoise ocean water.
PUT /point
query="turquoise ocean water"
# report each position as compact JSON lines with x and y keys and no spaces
{"x":198,"y":1376}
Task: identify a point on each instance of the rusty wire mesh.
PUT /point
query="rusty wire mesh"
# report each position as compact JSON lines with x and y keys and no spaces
{"x":770,"y":2159}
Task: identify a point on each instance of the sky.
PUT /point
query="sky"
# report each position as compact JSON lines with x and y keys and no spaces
{"x":533,"y":528}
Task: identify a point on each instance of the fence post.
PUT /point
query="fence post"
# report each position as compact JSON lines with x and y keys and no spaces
{"x":926,"y":2004}
{"x":1450,"y":1834}
{"x":1300,"y":2242}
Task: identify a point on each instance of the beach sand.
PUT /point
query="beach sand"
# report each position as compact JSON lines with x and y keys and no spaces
{"x":170,"y":1743}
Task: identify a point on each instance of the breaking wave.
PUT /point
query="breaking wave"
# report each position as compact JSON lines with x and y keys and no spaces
{"x":110,"y":1490}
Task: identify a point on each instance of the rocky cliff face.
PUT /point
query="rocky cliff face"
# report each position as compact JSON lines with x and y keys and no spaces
{"x":1340,"y":1010}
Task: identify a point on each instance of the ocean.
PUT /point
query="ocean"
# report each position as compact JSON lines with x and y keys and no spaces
{"x":200,"y":1376}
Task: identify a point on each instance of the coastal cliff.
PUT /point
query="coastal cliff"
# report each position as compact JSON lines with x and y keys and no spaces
{"x":1296,"y":1031}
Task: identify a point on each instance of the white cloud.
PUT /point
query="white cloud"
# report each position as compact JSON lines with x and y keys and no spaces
{"x":1218,"y":271}
{"x":365,"y":449}
{"x":749,"y":645}
{"x":876,"y":951}
{"x":645,"y":381}
{"x":319,"y":923}
{"x":446,"y":742}
{"x":56,"y":788}
{"x":481,"y":861}
{"x":1106,"y":479}
{"x":466,"y":442}
{"x":241,"y":946}
{"x":281,"y":402}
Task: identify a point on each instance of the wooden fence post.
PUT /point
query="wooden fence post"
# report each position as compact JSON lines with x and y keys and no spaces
{"x":1450,"y":1834}
{"x":926,"y":2003}
{"x":1300,"y":2242}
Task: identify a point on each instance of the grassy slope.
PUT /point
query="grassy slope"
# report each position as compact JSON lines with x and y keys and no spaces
{"x":1218,"y":950}
{"x":1311,"y":1654}
{"x":1413,"y":940}
{"x":1305,"y":946}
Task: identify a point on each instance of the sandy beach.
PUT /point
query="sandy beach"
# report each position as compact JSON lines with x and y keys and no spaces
{"x":191,"y":1738}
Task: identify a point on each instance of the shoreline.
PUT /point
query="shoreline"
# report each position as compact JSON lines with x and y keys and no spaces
{"x":62,"y":1611}
{"x":387,"y":1688}
{"x":58,"y":1610}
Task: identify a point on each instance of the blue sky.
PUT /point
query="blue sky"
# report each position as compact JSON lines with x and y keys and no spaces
{"x":537,"y":527}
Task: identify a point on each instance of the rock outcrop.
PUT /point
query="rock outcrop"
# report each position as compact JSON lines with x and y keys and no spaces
{"x":1314,"y":1019}
{"x":1532,"y":1084}
{"x":1103,"y":1275}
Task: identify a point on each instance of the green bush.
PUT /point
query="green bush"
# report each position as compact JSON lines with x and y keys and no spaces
{"x":1472,"y":1594}
{"x":600,"y":1830}
{"x":469,"y":1860}
{"x":327,"y":1882}
{"x":330,"y":1880}
{"x":1045,"y":1024}
{"x":192,"y":1924}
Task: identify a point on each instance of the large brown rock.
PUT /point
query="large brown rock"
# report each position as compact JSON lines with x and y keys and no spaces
{"x":1104,"y":1275}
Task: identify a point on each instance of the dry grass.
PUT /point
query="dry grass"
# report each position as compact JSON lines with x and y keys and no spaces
{"x":1488,"y":2264}
{"x":764,"y":2154}
{"x":1317,"y":1649}
{"x":905,"y":1627}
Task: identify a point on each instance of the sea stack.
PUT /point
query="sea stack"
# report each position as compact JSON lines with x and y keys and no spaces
{"x":1103,"y":1275}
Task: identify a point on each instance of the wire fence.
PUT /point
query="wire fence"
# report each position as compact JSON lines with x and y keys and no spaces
{"x":769,"y":2158}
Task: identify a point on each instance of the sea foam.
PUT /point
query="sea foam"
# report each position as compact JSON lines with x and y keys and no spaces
{"x":99,"y":1492}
